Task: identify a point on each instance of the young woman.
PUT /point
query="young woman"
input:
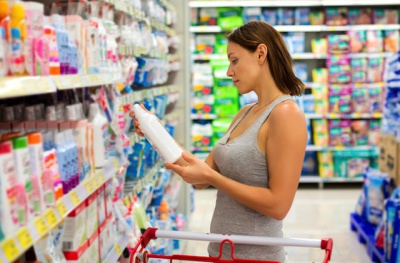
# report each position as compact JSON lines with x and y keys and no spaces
{"x":257,"y":165}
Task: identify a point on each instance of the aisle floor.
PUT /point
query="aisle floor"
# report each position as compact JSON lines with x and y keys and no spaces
{"x":316,"y":213}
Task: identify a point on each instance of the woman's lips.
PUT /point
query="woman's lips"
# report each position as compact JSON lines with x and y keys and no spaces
{"x":235,"y":81}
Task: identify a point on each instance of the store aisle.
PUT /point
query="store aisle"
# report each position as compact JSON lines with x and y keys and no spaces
{"x":314,"y":214}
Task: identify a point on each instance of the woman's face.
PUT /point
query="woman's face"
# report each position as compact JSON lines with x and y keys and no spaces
{"x":243,"y":67}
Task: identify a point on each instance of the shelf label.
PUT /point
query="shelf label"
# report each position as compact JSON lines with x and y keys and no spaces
{"x":24,"y":238}
{"x":10,"y":249}
{"x":96,"y":182}
{"x":127,"y":201}
{"x":51,"y":217}
{"x":118,"y":249}
{"x":40,"y":226}
{"x":62,"y":209}
{"x":88,"y":186}
{"x":74,"y":198}
{"x":357,"y":115}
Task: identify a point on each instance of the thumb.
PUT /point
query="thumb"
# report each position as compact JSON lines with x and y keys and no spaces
{"x":188,"y":158}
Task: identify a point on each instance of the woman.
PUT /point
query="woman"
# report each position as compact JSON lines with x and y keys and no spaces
{"x":256,"y":166}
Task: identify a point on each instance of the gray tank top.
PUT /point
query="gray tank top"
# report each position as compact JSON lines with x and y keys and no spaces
{"x":242,"y":160}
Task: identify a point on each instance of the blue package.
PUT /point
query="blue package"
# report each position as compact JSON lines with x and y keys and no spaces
{"x":309,"y":130}
{"x":298,"y":41}
{"x":310,"y":165}
{"x":308,"y":103}
{"x":377,"y":188}
{"x":301,"y":71}
{"x":252,"y":13}
{"x":270,"y":16}
{"x":285,"y":16}
{"x":135,"y":160}
{"x":392,"y":231}
{"x":302,"y":16}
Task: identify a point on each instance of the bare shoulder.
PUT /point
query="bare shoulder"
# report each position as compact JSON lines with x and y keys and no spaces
{"x":287,"y":111}
{"x":287,"y":118}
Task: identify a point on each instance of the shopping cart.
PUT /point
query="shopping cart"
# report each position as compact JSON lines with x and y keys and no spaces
{"x":140,"y":255}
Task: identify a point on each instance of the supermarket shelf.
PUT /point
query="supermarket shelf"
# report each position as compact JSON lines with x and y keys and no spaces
{"x":377,"y":115}
{"x":223,"y":56}
{"x":295,"y":28}
{"x":318,"y":179}
{"x":117,"y":249}
{"x":202,"y":149}
{"x":139,"y":95}
{"x":11,"y":87}
{"x":15,"y":245}
{"x":278,"y":3}
{"x":203,"y":116}
{"x":315,"y":148}
{"x":23,"y":86}
{"x":371,"y":55}
{"x":311,"y":85}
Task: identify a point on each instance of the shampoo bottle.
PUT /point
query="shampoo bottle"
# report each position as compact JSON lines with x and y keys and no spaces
{"x":156,"y":134}
{"x":9,"y":219}
{"x":5,"y":17}
{"x":24,"y":181}
{"x":17,"y":20}
{"x":3,"y":53}
{"x":16,"y":53}
{"x":37,"y":168}
{"x":100,"y":134}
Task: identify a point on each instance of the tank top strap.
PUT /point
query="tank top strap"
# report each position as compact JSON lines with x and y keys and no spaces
{"x":269,"y":109}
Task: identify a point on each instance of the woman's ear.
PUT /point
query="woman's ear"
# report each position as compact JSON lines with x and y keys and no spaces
{"x":262,"y":52}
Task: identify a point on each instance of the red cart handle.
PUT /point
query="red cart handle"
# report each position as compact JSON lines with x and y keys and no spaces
{"x":154,"y":233}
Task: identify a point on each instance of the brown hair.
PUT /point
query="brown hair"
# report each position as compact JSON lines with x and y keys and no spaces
{"x":254,"y":33}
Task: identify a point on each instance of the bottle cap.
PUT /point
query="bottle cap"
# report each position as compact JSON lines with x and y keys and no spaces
{"x":4,"y":8}
{"x":35,"y":138}
{"x":51,"y":113}
{"x":17,"y":11}
{"x":139,"y":112}
{"x":20,"y":142}
{"x":30,"y":113}
{"x":15,"y":33}
{"x":5,"y":147}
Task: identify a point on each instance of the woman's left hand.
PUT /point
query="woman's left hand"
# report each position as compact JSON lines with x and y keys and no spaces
{"x":195,"y":172}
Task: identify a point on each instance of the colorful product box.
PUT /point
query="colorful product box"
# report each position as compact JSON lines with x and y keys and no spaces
{"x":75,"y":234}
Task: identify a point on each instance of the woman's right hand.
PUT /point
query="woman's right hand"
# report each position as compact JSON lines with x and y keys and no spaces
{"x":136,"y":123}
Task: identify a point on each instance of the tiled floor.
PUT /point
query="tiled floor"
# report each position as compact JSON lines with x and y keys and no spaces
{"x":316,"y":213}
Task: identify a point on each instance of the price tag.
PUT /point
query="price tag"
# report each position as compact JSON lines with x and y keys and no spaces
{"x":88,"y":186}
{"x":62,"y":209}
{"x":100,"y":177}
{"x":95,"y":182}
{"x":74,"y":198}
{"x":40,"y":226}
{"x":24,"y":238}
{"x":118,"y":249}
{"x":334,"y":115}
{"x":377,"y":115}
{"x":10,"y":249}
{"x":127,"y":201}
{"x":51,"y":217}
{"x":76,"y":81}
{"x":357,"y":115}
{"x":358,"y":85}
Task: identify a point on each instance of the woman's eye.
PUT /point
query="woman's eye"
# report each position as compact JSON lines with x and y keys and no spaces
{"x":234,"y":61}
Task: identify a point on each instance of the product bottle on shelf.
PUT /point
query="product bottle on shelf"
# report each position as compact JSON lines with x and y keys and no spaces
{"x":17,"y":20}
{"x":54,"y":60}
{"x":3,"y":53}
{"x":100,"y":135}
{"x":16,"y":53}
{"x":5,"y":17}
{"x":163,"y":210}
{"x":159,"y":138}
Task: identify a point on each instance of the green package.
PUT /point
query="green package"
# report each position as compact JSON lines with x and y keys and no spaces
{"x":220,"y":127}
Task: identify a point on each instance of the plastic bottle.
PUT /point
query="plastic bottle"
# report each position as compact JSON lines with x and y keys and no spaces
{"x":100,"y":134}
{"x":17,"y":20}
{"x":9,"y":218}
{"x":5,"y":17}
{"x":163,"y":210}
{"x":54,"y":60}
{"x":156,"y":134}
{"x":37,"y":168}
{"x":24,"y":181}
{"x":3,"y":52}
{"x":62,"y":158}
{"x":16,"y":53}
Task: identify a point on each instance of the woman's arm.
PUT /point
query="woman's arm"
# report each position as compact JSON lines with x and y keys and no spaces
{"x":285,"y":149}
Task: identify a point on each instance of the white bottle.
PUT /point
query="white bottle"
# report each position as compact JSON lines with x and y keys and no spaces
{"x":100,"y":135}
{"x":156,"y":134}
